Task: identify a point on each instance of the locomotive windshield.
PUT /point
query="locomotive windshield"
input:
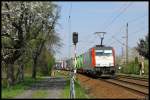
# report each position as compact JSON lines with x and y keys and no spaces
{"x":103,"y":52}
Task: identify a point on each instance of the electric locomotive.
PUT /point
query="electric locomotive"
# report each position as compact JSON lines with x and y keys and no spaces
{"x":99,"y":60}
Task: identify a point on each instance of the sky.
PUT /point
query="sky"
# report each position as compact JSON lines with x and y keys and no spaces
{"x":86,"y":18}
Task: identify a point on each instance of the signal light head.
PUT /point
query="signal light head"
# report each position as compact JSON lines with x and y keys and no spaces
{"x":75,"y":37}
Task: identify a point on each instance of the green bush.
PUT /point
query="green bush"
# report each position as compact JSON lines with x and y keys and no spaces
{"x":133,"y":67}
{"x":28,"y":67}
{"x":45,"y":62}
{"x":146,"y":67}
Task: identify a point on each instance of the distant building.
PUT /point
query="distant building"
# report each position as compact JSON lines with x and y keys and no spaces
{"x":60,"y":64}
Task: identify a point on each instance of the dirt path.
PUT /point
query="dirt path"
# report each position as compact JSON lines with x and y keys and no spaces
{"x":52,"y":86}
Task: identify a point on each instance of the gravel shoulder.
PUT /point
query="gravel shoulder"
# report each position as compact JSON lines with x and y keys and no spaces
{"x":52,"y":85}
{"x":100,"y":89}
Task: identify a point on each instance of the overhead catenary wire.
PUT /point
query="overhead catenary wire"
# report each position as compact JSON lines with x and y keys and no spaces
{"x":135,"y":19}
{"x":122,"y":11}
{"x":115,"y":18}
{"x":118,"y":40}
{"x":120,"y":29}
{"x":131,"y":21}
{"x":104,"y":23}
{"x":137,"y":31}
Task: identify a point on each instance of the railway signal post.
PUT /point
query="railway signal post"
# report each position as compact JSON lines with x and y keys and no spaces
{"x":72,"y":89}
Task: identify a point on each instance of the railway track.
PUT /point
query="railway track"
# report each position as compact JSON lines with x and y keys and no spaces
{"x":134,"y":85}
{"x":119,"y":87}
{"x":113,"y":88}
{"x":137,"y":85}
{"x":132,"y":77}
{"x":134,"y":81}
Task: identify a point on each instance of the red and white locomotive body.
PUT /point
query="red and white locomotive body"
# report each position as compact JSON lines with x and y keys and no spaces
{"x":99,"y":60}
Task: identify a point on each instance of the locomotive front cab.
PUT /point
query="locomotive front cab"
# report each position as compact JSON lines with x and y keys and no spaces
{"x":104,"y":61}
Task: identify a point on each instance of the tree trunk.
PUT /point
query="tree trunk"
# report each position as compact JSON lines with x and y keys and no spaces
{"x":10,"y":75}
{"x":35,"y":58}
{"x":20,"y":73}
{"x":34,"y":68}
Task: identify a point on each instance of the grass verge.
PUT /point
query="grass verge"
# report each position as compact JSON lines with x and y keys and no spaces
{"x":79,"y":91}
{"x":18,"y":88}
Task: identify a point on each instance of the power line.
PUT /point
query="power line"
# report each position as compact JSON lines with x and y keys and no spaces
{"x":136,"y":19}
{"x":112,"y":16}
{"x":118,"y":15}
{"x":116,"y":10}
{"x":116,"y":32}
{"x":141,"y":29}
{"x":132,"y":21}
{"x":124,"y":9}
{"x":118,"y":40}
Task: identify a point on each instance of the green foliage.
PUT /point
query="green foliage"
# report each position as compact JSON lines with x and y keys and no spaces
{"x":18,"y":88}
{"x":28,"y":67}
{"x":12,"y":92}
{"x":7,"y":42}
{"x":133,"y":68}
{"x":25,"y":25}
{"x":136,"y":60}
{"x":143,"y":47}
{"x":79,"y":91}
{"x":46,"y":61}
{"x":146,"y":67}
{"x":4,"y":82}
{"x":51,"y":62}
{"x":66,"y":93}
